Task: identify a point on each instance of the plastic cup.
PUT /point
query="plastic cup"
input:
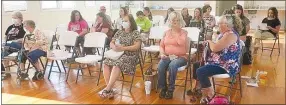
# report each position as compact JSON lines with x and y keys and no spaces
{"x":148,"y":87}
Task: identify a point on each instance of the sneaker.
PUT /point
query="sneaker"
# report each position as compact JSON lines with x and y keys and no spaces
{"x":169,"y":95}
{"x":38,"y":75}
{"x":162,"y":93}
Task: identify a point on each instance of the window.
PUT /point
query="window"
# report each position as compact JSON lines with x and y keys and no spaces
{"x":58,"y":4}
{"x":49,"y":4}
{"x":10,"y":6}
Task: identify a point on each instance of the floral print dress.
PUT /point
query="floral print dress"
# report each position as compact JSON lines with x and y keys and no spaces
{"x":128,"y":61}
{"x":228,"y":58}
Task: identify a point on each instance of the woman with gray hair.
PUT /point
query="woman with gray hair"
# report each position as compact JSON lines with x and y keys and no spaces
{"x":14,"y":33}
{"x":222,"y":56}
{"x":173,"y":49}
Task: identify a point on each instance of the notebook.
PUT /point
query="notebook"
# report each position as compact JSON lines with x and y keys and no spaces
{"x":263,"y":26}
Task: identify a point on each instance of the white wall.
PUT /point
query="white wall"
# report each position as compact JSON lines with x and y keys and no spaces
{"x":49,"y":19}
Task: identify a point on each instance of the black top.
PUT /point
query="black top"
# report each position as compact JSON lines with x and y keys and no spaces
{"x":272,"y":23}
{"x":187,"y":20}
{"x":15,"y":32}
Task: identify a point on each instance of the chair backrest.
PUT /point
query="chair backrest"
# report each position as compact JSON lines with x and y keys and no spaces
{"x":95,"y":39}
{"x":89,"y":23}
{"x":61,"y":28}
{"x":67,"y":38}
{"x":139,"y":28}
{"x":193,"y":33}
{"x":49,"y":34}
{"x":157,"y":32}
{"x":158,"y":19}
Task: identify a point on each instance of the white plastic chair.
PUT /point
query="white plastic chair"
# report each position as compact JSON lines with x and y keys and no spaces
{"x":94,"y":40}
{"x":156,"y":32}
{"x":226,"y":75}
{"x":67,"y":38}
{"x":158,"y":20}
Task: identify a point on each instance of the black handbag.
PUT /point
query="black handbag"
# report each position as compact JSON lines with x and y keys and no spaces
{"x":247,"y":57}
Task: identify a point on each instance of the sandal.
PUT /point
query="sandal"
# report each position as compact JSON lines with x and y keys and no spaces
{"x":107,"y":94}
{"x":195,"y":92}
{"x":206,"y":100}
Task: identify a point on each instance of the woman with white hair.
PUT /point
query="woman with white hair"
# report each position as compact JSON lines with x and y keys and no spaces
{"x":14,"y":33}
{"x":173,"y":49}
{"x":222,"y":56}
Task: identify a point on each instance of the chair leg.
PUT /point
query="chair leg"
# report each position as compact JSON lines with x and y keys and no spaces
{"x":132,"y":81}
{"x":278,"y":45}
{"x":100,"y":69}
{"x":58,"y":66}
{"x":213,"y":80}
{"x":46,"y":64}
{"x":240,"y":84}
{"x":68,"y":73}
{"x":262,"y":45}
{"x":141,"y":68}
{"x":273,"y":47}
{"x":185,"y":86}
{"x":150,"y":55}
{"x":80,"y":69}
{"x":52,"y":64}
{"x":64,"y":66}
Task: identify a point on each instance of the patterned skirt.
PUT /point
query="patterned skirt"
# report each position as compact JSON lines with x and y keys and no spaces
{"x":126,"y":63}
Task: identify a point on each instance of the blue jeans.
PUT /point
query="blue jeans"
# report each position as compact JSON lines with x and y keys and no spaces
{"x":34,"y":55}
{"x":172,"y":66}
{"x":13,"y":45}
{"x":204,"y":72}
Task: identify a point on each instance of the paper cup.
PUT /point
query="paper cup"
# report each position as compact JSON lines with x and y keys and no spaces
{"x":148,"y":87}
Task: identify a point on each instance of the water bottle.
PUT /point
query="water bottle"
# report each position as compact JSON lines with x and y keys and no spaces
{"x":117,"y":42}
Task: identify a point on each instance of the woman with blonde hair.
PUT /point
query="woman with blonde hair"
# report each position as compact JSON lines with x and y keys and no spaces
{"x":173,"y":49}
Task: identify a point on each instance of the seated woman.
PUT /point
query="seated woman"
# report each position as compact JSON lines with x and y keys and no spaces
{"x":36,"y":46}
{"x":14,"y":33}
{"x":273,"y":25}
{"x":129,"y":42}
{"x":186,"y":16}
{"x":238,"y":10}
{"x":145,"y":25}
{"x":224,"y":55}
{"x":101,"y":25}
{"x":167,"y":15}
{"x":198,"y":21}
{"x":173,"y":49}
{"x":122,"y":13}
{"x":78,"y":25}
{"x":209,"y":21}
{"x":148,"y":13}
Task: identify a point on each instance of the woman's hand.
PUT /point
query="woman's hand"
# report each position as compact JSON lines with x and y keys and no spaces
{"x":119,"y":48}
{"x":163,"y":56}
{"x":269,"y":27}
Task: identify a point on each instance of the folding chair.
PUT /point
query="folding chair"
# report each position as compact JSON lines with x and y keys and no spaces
{"x":193,"y":35}
{"x":133,"y":75}
{"x":156,"y":32}
{"x":276,"y":39}
{"x":158,"y":20}
{"x":64,"y":55}
{"x":94,"y":40}
{"x":232,"y":79}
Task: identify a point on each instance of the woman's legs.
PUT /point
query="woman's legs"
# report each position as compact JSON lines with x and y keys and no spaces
{"x":259,"y":35}
{"x":173,"y":68}
{"x":106,"y":73}
{"x":203,"y":74}
{"x":115,"y":72}
{"x":162,"y":72}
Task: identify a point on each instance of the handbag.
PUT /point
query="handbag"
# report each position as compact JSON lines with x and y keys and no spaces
{"x":111,"y":54}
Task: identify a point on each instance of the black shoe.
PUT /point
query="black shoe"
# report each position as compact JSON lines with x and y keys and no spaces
{"x":169,"y":95}
{"x":195,"y":92}
{"x":162,"y":93}
{"x":38,"y":75}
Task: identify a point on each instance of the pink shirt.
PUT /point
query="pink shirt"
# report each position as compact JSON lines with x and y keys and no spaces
{"x":173,"y":45}
{"x":77,"y":26}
